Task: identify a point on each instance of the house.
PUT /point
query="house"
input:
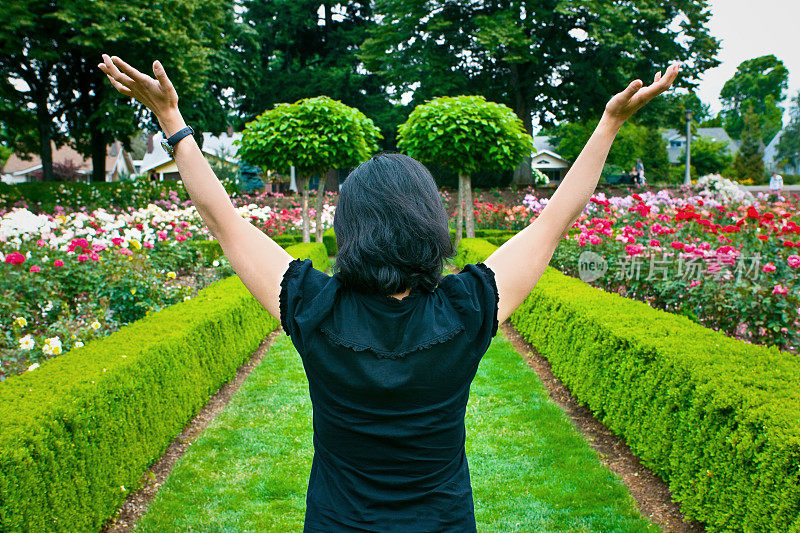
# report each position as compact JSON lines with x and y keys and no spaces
{"x":21,"y":168}
{"x":771,"y":161}
{"x":676,"y":141}
{"x":159,"y":165}
{"x":547,"y":160}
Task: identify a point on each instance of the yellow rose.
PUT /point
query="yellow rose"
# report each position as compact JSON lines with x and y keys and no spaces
{"x":171,"y":274}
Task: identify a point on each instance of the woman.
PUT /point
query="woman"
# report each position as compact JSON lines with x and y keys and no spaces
{"x":389,"y":346}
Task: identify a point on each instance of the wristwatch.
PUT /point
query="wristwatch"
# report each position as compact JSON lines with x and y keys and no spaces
{"x":169,"y":144}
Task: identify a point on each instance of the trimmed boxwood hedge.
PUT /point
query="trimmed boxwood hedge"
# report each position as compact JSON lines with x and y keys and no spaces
{"x":717,"y":418}
{"x":315,"y":251}
{"x":329,"y":238}
{"x":79,"y":432}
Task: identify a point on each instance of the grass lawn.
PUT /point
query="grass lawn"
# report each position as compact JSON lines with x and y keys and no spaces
{"x":531,"y":470}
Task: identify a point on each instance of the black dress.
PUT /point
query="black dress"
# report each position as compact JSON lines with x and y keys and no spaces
{"x":389,"y":381}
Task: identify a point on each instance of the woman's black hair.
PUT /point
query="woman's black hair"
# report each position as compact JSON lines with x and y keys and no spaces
{"x":391,"y":227}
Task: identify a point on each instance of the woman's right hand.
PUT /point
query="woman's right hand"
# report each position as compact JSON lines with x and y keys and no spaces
{"x":157,"y":94}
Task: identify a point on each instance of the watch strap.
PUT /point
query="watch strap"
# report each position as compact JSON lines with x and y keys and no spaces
{"x":180,"y":134}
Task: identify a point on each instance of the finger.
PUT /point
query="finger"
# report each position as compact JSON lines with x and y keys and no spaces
{"x":161,"y":75}
{"x":657,"y":77}
{"x":119,"y":87}
{"x":114,"y":71}
{"x":632,"y":87}
{"x":129,"y":70}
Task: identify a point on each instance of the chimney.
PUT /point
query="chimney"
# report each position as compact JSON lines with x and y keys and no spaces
{"x":230,"y":130}
{"x":150,"y":144}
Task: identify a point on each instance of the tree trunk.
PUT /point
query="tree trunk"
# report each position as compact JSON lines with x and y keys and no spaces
{"x":469,"y":205}
{"x":304,"y":188}
{"x":522,"y":107}
{"x":460,"y":210}
{"x":45,"y":149}
{"x":98,"y":155}
{"x":320,"y":204}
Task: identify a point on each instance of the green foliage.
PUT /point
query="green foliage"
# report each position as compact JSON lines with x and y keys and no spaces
{"x":136,"y":193}
{"x":669,"y":111}
{"x":789,"y":143}
{"x":104,"y":412}
{"x":58,"y":61}
{"x":749,"y":161}
{"x":510,"y":52}
{"x":315,"y":251}
{"x":758,"y":83}
{"x":726,"y":440}
{"x":465,"y":134}
{"x":632,"y":142}
{"x":305,"y":49}
{"x":313,"y":135}
{"x":708,"y":156}
{"x":329,"y":239}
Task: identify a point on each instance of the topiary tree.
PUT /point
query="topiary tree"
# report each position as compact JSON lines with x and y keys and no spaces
{"x":314,"y":135}
{"x":465,"y":134}
{"x":749,"y":161}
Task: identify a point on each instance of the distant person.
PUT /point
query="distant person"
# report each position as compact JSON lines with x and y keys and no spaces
{"x":640,"y":173}
{"x":634,"y":175}
{"x":776,"y":184}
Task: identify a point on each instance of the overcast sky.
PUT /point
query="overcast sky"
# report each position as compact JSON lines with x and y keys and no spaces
{"x":748,"y":29}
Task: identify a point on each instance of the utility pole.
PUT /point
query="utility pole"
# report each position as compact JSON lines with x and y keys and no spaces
{"x":687,"y":178}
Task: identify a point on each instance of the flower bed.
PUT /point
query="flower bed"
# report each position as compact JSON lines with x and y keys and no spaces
{"x":723,"y":258}
{"x":70,"y":277}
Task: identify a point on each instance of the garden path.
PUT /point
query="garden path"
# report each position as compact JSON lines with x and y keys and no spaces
{"x":531,"y":469}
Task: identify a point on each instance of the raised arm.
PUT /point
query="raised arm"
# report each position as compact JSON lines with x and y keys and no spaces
{"x":520,"y":262}
{"x":258,"y":260}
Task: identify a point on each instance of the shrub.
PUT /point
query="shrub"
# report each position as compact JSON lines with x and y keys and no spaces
{"x":714,"y":417}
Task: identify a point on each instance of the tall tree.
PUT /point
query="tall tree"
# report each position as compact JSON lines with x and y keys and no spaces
{"x":552,"y":59}
{"x":749,"y":161}
{"x":51,"y":49}
{"x":307,"y":48}
{"x":789,"y":143}
{"x":760,"y":83}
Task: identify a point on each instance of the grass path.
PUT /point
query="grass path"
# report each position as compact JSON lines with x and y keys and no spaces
{"x":531,"y":470}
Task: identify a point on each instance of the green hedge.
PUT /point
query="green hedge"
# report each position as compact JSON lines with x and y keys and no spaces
{"x":717,"y":418}
{"x":89,"y":422}
{"x":45,"y":195}
{"x":212,"y":250}
{"x":329,"y":238}
{"x":315,"y":251}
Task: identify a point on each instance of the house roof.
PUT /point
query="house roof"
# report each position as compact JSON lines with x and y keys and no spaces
{"x":19,"y":164}
{"x":217,"y":145}
{"x":552,"y":155}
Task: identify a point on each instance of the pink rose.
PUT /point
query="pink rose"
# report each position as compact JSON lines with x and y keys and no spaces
{"x":94,"y":257}
{"x":794,"y":261}
{"x":594,"y":239}
{"x":15,"y":258}
{"x":694,"y":283}
{"x":779,"y":289}
{"x":82,"y":258}
{"x":35,"y":268}
{"x":180,"y":237}
{"x":40,"y":242}
{"x":655,"y":242}
{"x":148,"y":244}
{"x":58,"y":263}
{"x":769,"y":267}
{"x":677,"y":245}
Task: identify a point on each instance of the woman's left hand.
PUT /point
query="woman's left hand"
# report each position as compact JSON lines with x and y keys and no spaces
{"x":624,"y":104}
{"x":157,"y":94}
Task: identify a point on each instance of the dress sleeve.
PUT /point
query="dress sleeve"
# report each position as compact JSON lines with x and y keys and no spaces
{"x":473,"y":293}
{"x":300,"y":285}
